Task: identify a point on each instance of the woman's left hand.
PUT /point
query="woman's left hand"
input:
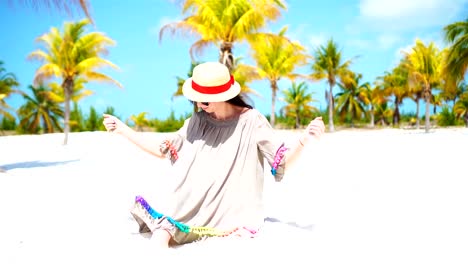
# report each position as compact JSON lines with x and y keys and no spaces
{"x":316,"y":127}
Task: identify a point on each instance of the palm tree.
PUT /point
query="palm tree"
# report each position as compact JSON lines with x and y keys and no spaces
{"x":223,"y":23}
{"x":181,"y":81}
{"x":395,"y":83}
{"x":374,"y":97}
{"x":456,"y":66}
{"x":93,"y":120}
{"x":244,"y":74}
{"x":298,"y":102}
{"x":461,"y":108}
{"x":7,"y":83}
{"x":39,"y":111}
{"x":277,"y":57}
{"x":383,"y":113}
{"x":61,"y":6}
{"x":425,"y":70}
{"x":77,"y":120}
{"x":140,"y":121}
{"x":72,"y":55}
{"x":329,"y":65}
{"x":452,"y":93}
{"x":351,"y":100}
{"x":79,"y":91}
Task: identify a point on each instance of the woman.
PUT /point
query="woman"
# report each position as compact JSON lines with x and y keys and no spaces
{"x":218,"y":161}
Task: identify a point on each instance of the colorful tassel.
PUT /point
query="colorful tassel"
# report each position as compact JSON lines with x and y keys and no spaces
{"x":278,"y":158}
{"x":199,"y":230}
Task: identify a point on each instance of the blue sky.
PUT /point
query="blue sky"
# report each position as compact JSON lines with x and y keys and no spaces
{"x":374,"y":30}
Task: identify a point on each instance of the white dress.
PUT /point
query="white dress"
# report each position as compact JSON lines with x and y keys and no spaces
{"x":219,"y":174}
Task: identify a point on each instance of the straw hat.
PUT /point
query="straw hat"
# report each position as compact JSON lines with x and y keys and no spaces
{"x":210,"y":82}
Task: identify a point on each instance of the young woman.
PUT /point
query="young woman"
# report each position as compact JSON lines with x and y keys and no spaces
{"x":218,"y":160}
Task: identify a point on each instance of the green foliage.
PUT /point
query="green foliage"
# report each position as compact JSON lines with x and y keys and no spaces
{"x":76,"y":119}
{"x":298,"y":103}
{"x":39,"y":113}
{"x":446,"y":117}
{"x":171,"y":124}
{"x":8,"y":124}
{"x":7,"y":83}
{"x":93,"y":121}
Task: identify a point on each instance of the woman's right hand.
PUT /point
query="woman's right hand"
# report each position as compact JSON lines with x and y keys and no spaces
{"x":113,"y":124}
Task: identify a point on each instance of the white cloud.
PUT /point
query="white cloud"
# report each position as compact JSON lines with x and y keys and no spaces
{"x":317,"y":40}
{"x":400,"y":52}
{"x":380,"y":42}
{"x":162,"y":22}
{"x":404,"y":15}
{"x":386,"y":41}
{"x":361,"y":44}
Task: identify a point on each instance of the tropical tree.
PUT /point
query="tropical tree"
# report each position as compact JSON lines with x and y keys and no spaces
{"x":94,"y":121}
{"x":79,"y":91}
{"x":8,"y":82}
{"x":140,"y":121}
{"x":77,"y":119}
{"x":62,"y":6}
{"x":351,"y":100}
{"x":456,"y":34}
{"x":461,"y":108}
{"x":298,"y":103}
{"x":72,"y":55}
{"x":329,"y":65}
{"x":39,"y":112}
{"x":383,"y":112}
{"x":223,"y":23}
{"x":181,"y":81}
{"x":245,"y":74}
{"x":277,"y":57}
{"x":425,"y":66}
{"x":453,"y":93}
{"x":374,"y":97}
{"x":395,"y":84}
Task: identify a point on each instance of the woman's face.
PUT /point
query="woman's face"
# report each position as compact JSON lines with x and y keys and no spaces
{"x":207,"y":107}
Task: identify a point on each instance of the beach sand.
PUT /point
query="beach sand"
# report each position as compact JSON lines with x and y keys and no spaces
{"x":355,"y":196}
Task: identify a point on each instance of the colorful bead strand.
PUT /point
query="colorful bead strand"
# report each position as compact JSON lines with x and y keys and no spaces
{"x":278,"y":158}
{"x":199,"y":230}
{"x":169,"y":149}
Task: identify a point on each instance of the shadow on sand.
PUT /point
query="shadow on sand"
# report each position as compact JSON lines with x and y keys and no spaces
{"x":293,"y":224}
{"x":34,"y":164}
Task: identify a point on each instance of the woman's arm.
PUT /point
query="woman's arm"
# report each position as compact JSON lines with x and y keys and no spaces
{"x":315,"y":128}
{"x":150,"y":145}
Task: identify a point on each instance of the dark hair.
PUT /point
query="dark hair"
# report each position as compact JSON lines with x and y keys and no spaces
{"x":239,"y":101}
{"x":236,"y":101}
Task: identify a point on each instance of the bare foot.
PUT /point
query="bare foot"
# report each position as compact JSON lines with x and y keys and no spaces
{"x":160,"y":239}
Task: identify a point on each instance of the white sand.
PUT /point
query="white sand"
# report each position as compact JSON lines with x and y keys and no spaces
{"x":382,"y":196}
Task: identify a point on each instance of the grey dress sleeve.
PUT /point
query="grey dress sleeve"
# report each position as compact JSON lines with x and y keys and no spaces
{"x":172,"y":144}
{"x":271,"y":147}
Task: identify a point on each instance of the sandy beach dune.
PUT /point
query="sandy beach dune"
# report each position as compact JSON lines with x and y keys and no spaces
{"x":376,"y":196}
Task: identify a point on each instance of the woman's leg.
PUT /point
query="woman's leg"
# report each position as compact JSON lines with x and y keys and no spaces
{"x":161,"y":238}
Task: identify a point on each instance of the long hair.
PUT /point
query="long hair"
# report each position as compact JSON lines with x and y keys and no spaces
{"x":239,"y":101}
{"x":236,"y":101}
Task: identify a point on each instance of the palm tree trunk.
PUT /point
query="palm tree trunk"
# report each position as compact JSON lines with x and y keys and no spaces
{"x":331,"y":126}
{"x":225,"y":55}
{"x":372,"y":121}
{"x":67,"y":87}
{"x":298,"y":121}
{"x":396,"y":114}
{"x":417,"y":113}
{"x":466,"y":119}
{"x":274,"y":88}
{"x":427,"y":95}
